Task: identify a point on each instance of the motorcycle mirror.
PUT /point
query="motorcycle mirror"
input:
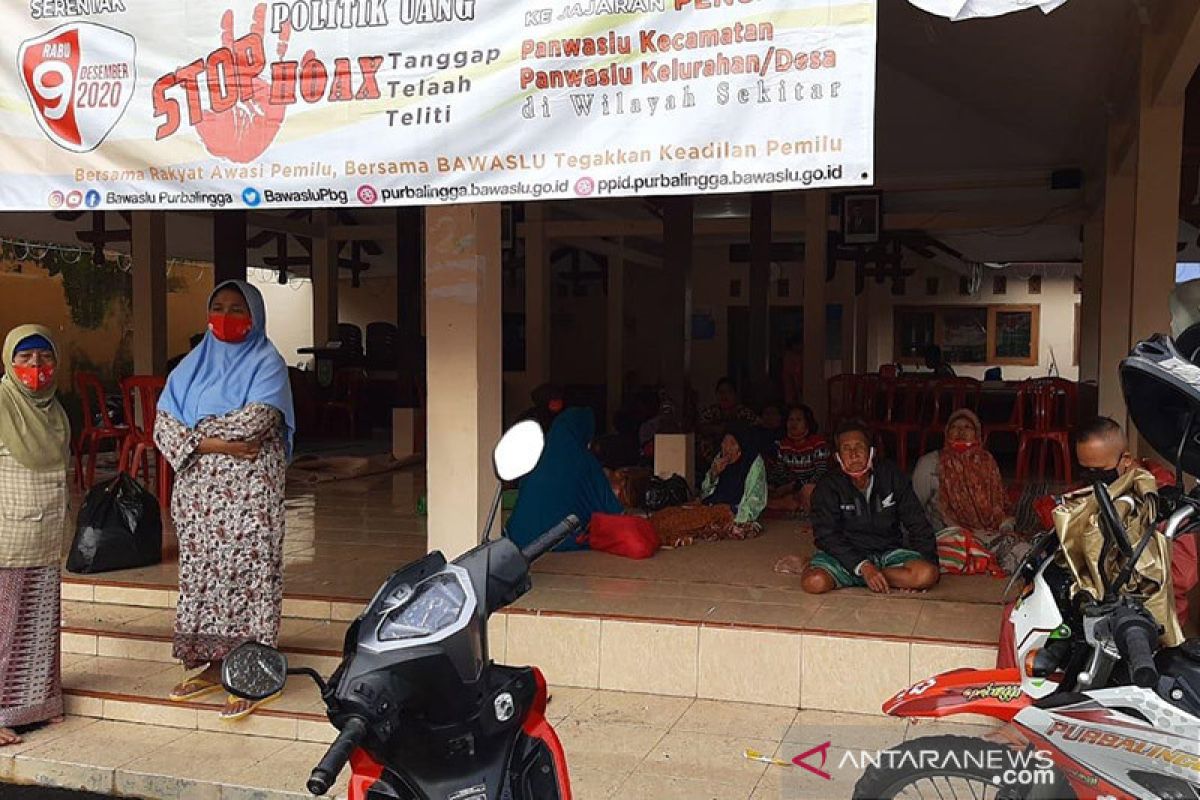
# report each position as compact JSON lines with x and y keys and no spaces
{"x":254,"y":671}
{"x":518,"y":451}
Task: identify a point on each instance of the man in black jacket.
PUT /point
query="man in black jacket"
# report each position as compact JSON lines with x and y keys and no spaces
{"x":869,"y":527}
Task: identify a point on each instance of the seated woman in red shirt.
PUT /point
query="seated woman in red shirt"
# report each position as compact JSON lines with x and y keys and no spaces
{"x":797,"y":462}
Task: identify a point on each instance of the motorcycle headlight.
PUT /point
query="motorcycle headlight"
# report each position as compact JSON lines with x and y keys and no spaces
{"x":413,"y":612}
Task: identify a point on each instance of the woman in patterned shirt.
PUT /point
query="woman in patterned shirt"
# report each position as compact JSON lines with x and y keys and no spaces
{"x":34,"y":436}
{"x":797,"y":462}
{"x":225,"y":422}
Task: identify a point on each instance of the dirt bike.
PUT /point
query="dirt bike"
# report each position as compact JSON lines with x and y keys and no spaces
{"x":1095,"y":709}
{"x":423,"y":712}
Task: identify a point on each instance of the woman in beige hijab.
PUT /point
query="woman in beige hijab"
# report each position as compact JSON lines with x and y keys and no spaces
{"x":34,"y":436}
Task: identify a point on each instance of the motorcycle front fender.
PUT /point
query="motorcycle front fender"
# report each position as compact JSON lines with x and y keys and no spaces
{"x":994,"y":693}
{"x":365,"y":771}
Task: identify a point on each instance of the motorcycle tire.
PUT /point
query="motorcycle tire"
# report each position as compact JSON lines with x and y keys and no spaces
{"x":906,"y":775}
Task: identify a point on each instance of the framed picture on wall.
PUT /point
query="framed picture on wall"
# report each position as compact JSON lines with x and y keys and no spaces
{"x":861,"y":218}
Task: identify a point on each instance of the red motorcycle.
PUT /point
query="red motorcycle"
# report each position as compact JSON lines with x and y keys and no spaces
{"x":1095,"y":712}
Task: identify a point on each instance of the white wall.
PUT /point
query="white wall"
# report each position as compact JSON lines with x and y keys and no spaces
{"x":289,"y":314}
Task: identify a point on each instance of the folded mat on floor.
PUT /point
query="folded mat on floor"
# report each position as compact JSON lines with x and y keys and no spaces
{"x":323,"y":469}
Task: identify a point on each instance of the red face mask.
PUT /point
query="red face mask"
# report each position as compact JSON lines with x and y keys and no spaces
{"x":229,"y":328}
{"x":555,"y":405}
{"x":35,"y":379}
{"x":963,"y":447}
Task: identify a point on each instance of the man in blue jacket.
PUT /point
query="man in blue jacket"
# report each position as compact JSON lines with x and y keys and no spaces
{"x":869,"y":526}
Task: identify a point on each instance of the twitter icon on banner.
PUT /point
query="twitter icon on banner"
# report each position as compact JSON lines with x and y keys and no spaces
{"x":251,"y":196}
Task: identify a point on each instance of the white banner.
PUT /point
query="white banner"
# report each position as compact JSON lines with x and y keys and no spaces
{"x":203,"y":104}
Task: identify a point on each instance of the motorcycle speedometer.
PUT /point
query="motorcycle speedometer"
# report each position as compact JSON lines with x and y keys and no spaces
{"x":427,"y":608}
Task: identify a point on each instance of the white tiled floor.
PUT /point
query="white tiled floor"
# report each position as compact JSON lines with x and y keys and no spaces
{"x":627,"y":746}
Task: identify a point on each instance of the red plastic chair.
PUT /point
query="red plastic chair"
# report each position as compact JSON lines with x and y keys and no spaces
{"x":867,"y":398}
{"x":1015,"y":424}
{"x":901,"y":414}
{"x":348,"y":384}
{"x":1052,"y":404}
{"x":87,"y":446}
{"x":842,"y":398}
{"x":946,"y":396}
{"x":140,"y":394}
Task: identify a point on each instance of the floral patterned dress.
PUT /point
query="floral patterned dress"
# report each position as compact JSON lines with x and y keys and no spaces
{"x":229,"y":518}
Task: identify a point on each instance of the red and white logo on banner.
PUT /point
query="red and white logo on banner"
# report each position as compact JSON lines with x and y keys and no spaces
{"x":79,"y":78}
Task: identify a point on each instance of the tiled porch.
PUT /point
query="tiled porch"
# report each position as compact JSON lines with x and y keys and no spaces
{"x":710,"y":621}
{"x":343,"y":538}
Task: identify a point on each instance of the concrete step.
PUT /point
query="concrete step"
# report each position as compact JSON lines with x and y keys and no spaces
{"x":146,"y":596}
{"x":162,"y":762}
{"x":144,"y":633}
{"x":134,"y":690}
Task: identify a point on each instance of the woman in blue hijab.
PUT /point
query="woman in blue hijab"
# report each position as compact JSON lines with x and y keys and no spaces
{"x":567,"y":480}
{"x":225,"y":423}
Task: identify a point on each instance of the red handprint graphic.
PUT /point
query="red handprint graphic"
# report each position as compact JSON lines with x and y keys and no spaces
{"x":245,"y":130}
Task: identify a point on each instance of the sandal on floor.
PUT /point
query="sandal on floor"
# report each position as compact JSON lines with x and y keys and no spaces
{"x":193,"y":689}
{"x":252,"y":705}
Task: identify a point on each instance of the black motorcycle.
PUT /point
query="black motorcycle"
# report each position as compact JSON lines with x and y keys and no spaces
{"x":423,"y":712}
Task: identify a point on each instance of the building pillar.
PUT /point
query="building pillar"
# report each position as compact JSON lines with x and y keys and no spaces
{"x":409,"y":269}
{"x":759,"y":340}
{"x":463,"y":336}
{"x":229,"y":246}
{"x":863,"y":330}
{"x":615,"y":331}
{"x":1116,"y":275}
{"x":324,"y":278}
{"x":537,"y":297}
{"x":1091,"y":297}
{"x":816,"y":247}
{"x":149,"y":246}
{"x":1141,"y":213}
{"x":843,"y":284}
{"x":1159,"y":155}
{"x":676,"y":352}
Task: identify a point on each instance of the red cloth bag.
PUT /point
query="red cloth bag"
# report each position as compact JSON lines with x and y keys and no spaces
{"x":621,"y":535}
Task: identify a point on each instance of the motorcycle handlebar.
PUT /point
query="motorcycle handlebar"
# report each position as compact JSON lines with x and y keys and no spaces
{"x":550,"y":539}
{"x":1108,"y":515}
{"x":1136,"y":638}
{"x":326,"y":772}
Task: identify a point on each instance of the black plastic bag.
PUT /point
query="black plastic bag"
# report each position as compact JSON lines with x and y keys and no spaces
{"x":119,"y":527}
{"x":672,"y":491}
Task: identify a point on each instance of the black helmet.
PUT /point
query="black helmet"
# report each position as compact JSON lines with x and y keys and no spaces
{"x":1162,"y":393}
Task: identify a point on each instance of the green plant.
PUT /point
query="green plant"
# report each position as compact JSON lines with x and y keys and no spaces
{"x":89,"y":288}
